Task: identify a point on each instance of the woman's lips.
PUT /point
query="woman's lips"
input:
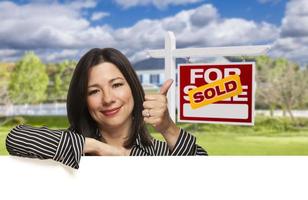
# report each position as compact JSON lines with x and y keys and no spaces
{"x":111,"y":112}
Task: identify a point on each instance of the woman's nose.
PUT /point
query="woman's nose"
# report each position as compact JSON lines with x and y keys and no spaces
{"x":108,"y":97}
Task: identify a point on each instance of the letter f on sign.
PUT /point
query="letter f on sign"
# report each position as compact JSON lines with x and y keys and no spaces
{"x":194,"y":75}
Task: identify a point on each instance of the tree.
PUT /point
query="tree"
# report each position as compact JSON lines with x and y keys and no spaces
{"x":281,"y":83}
{"x":29,"y":80}
{"x":4,"y":94}
{"x":4,"y":81}
{"x":266,"y":92}
{"x":289,"y":81}
{"x":60,"y":76}
{"x":304,"y":101}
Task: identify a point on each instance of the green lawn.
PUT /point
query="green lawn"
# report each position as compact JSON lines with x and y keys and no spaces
{"x":270,"y":136}
{"x":3,"y":133}
{"x":222,"y":144}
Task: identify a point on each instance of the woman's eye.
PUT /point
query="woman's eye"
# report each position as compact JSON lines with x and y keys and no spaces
{"x":92,"y":92}
{"x":117,"y":85}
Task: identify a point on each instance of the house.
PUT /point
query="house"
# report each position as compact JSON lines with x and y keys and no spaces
{"x":151,"y":72}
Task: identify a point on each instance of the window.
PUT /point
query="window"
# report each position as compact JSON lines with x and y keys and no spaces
{"x":154,"y":79}
{"x":140,"y":78}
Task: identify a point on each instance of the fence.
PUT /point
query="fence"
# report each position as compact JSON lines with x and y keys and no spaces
{"x":280,"y":113}
{"x":38,"y":110}
{"x":60,"y":109}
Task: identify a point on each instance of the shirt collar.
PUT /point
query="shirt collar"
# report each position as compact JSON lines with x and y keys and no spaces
{"x":148,"y":149}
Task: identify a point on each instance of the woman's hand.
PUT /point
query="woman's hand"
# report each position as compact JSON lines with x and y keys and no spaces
{"x":98,"y":148}
{"x":156,"y":109}
{"x":156,"y":113}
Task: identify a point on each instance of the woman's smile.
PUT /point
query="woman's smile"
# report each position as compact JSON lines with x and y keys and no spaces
{"x":111,"y":112}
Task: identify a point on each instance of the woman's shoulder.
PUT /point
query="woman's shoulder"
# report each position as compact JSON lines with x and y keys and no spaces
{"x":31,"y":127}
{"x":27,"y":127}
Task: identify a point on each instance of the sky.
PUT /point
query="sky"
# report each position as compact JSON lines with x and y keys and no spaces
{"x":62,"y":29}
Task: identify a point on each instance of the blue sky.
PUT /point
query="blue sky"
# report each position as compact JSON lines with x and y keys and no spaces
{"x":64,"y":29}
{"x":248,"y":9}
{"x":256,"y":10}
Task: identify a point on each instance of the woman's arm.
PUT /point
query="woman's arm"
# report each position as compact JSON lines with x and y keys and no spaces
{"x":156,"y":113}
{"x":186,"y":146}
{"x":64,"y":146}
{"x":183,"y":144}
{"x":98,"y":148}
{"x":43,"y":143}
{"x":171,"y":135}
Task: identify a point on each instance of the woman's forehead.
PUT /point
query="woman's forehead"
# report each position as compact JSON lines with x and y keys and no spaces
{"x":105,"y":71}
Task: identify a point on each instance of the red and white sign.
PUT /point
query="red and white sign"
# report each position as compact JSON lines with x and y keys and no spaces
{"x":207,"y":82}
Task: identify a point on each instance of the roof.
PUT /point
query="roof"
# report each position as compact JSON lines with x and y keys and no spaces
{"x":154,"y":63}
{"x":159,"y":63}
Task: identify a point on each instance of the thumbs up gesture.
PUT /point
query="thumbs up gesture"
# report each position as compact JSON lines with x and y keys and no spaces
{"x":155,"y":110}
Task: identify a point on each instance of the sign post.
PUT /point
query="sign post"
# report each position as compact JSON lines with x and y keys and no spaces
{"x":170,"y":53}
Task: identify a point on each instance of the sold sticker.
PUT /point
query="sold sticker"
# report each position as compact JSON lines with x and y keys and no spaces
{"x":215,"y":91}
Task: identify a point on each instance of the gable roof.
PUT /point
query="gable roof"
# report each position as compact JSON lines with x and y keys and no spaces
{"x":159,"y":63}
{"x":154,"y":63}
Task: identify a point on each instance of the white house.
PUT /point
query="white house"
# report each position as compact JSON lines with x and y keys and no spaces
{"x":151,"y":72}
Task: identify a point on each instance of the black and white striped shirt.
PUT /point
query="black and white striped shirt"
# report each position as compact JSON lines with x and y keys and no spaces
{"x":67,"y":146}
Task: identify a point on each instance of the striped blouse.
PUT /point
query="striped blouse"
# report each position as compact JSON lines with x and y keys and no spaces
{"x":67,"y":146}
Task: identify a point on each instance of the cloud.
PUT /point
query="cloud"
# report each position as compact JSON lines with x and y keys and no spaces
{"x":269,"y":1}
{"x":9,"y":54}
{"x":207,"y":30}
{"x":55,"y":26}
{"x":80,"y":4}
{"x":204,"y":14}
{"x":99,"y":15}
{"x":38,"y":26}
{"x":64,"y":54}
{"x":75,"y":4}
{"x":294,"y":24}
{"x":160,"y":4}
{"x":56,"y":31}
{"x":293,"y":40}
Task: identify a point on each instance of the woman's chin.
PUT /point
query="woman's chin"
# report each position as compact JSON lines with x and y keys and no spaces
{"x":113,"y":123}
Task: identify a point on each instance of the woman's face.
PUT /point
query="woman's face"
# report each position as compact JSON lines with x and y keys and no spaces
{"x":109,"y":97}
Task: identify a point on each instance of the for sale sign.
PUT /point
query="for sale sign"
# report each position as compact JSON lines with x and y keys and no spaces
{"x":216,"y":93}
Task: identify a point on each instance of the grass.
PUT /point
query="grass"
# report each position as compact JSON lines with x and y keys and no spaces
{"x":3,"y":133}
{"x":269,"y":136}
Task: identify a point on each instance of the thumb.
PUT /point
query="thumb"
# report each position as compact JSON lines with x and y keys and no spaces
{"x":165,"y":87}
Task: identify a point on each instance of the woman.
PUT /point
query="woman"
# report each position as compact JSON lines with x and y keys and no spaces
{"x":108,"y":113}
